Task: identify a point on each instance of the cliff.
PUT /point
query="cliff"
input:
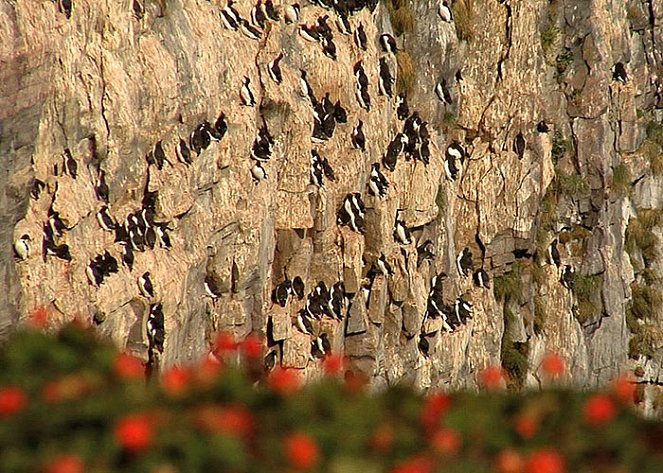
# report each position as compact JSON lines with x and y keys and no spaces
{"x":561,"y":147}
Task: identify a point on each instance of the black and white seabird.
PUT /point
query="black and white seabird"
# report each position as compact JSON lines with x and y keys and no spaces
{"x":199,"y":139}
{"x":423,"y":345}
{"x":127,"y":255}
{"x":385,"y":80}
{"x":269,"y":10}
{"x":94,"y":273}
{"x":220,"y":127}
{"x":281,"y":292}
{"x":145,"y":285}
{"x":442,"y":92}
{"x":383,"y":266}
{"x":320,"y":347}
{"x":309,"y":33}
{"x":568,"y":277}
{"x":298,"y":287}
{"x":464,"y":262}
{"x":59,"y":251}
{"x":426,"y":251}
{"x":105,"y":220}
{"x":542,"y":127}
{"x":340,"y":114}
{"x":258,"y":17}
{"x":401,"y":232}
{"x":162,"y":233}
{"x":455,"y":157}
{"x":230,"y":17}
{"x":388,"y":43}
{"x":378,"y":183}
{"x":553,"y":254}
{"x":305,"y":87}
{"x":70,"y":164}
{"x":481,"y":278}
{"x":329,"y":48}
{"x":360,"y":37}
{"x":394,"y":148}
{"x":303,"y":323}
{"x":358,"y":138}
{"x":343,"y":24}
{"x":519,"y":145}
{"x":274,"y":69}
{"x":211,"y":287}
{"x":269,"y":361}
{"x":22,"y":247}
{"x":249,"y":31}
{"x":619,"y":73}
{"x":37,"y":187}
{"x":258,"y":172}
{"x":155,"y":328}
{"x":402,"y":109}
{"x":246,"y":94}
{"x":55,"y":223}
{"x":183,"y":153}
{"x":445,"y":12}
{"x":101,"y":188}
{"x":463,"y":309}
{"x":292,"y":13}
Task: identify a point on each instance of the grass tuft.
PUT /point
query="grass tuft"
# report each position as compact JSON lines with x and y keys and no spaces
{"x":406,"y":73}
{"x":621,"y":179}
{"x":463,"y":12}
{"x":560,"y":146}
{"x":586,"y":287}
{"x":539,"y":314}
{"x":640,"y":237}
{"x":548,"y":38}
{"x":513,"y":355}
{"x":572,"y":185}
{"x":508,"y":287}
{"x":563,"y":60}
{"x":646,"y":302}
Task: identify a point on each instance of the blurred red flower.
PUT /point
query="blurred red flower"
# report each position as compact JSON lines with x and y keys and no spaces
{"x":599,"y":409}
{"x":208,"y":370}
{"x":12,"y":400}
{"x":382,"y":438}
{"x":301,"y":450}
{"x":134,"y":432}
{"x":509,"y":461}
{"x":526,"y":426}
{"x":545,"y":461}
{"x":251,"y":346}
{"x":435,"y":405}
{"x":355,"y":381}
{"x":128,"y":367}
{"x":417,"y":464}
{"x":38,"y":318}
{"x":624,"y":389}
{"x":333,"y":364}
{"x":224,"y":343}
{"x":283,"y":381}
{"x":491,"y":377}
{"x":66,"y":463}
{"x":446,"y":441}
{"x":233,"y":419}
{"x":176,"y":380}
{"x":553,"y":365}
{"x":69,"y":387}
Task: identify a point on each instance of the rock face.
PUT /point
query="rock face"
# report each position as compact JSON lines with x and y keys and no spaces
{"x":559,"y":147}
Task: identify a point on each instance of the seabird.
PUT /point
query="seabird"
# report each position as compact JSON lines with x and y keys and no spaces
{"x":463,"y":310}
{"x":619,"y":73}
{"x":70,"y":164}
{"x":220,"y":127}
{"x":292,"y":13}
{"x":305,"y":87}
{"x":445,"y":12}
{"x":303,"y":323}
{"x":542,"y":127}
{"x":442,"y":92}
{"x":455,"y":156}
{"x":281,"y":292}
{"x":230,"y":17}
{"x":22,"y":247}
{"x":425,"y":251}
{"x":164,"y":238}
{"x":274,"y":69}
{"x":402,"y":109}
{"x":37,"y":187}
{"x":423,"y":345}
{"x":519,"y":145}
{"x":401,"y":232}
{"x":94,"y":274}
{"x":270,"y":11}
{"x":270,"y":359}
{"x":378,"y":183}
{"x":298,"y":287}
{"x":59,"y":251}
{"x":258,"y":17}
{"x":105,"y":220}
{"x":309,"y":33}
{"x":127,"y":255}
{"x":340,"y":114}
{"x":138,"y":9}
{"x":464,"y":262}
{"x":384,"y":266}
{"x":553,"y":254}
{"x":183,"y":153}
{"x":343,"y":24}
{"x":199,"y":139}
{"x":150,"y":237}
{"x":388,"y":43}
{"x":246,"y":94}
{"x":249,"y":31}
{"x":145,"y":285}
{"x":385,"y":80}
{"x":56,"y":224}
{"x":358,"y":138}
{"x":211,"y":287}
{"x":258,"y":172}
{"x":155,"y":328}
{"x":481,"y":279}
{"x":101,"y":188}
{"x":568,"y":277}
{"x":360,"y":37}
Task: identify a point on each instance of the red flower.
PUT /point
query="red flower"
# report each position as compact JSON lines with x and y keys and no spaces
{"x":251,"y":346}
{"x":283,"y":381}
{"x":301,"y":451}
{"x":545,"y":461}
{"x":382,"y":438}
{"x":70,"y":387}
{"x":509,"y":461}
{"x":12,"y":400}
{"x":66,"y":463}
{"x":224,"y":343}
{"x":355,"y":381}
{"x":128,"y":367}
{"x":333,"y":364}
{"x":176,"y":380}
{"x":599,"y":409}
{"x":234,"y":419}
{"x":526,"y":426}
{"x":38,"y":317}
{"x":624,"y":390}
{"x":418,"y":464}
{"x":208,"y":370}
{"x":491,"y":377}
{"x":435,"y":406}
{"x":134,"y":432}
{"x":553,"y":365}
{"x":446,"y":441}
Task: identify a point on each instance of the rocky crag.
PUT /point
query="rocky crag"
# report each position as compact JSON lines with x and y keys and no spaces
{"x":555,"y":103}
